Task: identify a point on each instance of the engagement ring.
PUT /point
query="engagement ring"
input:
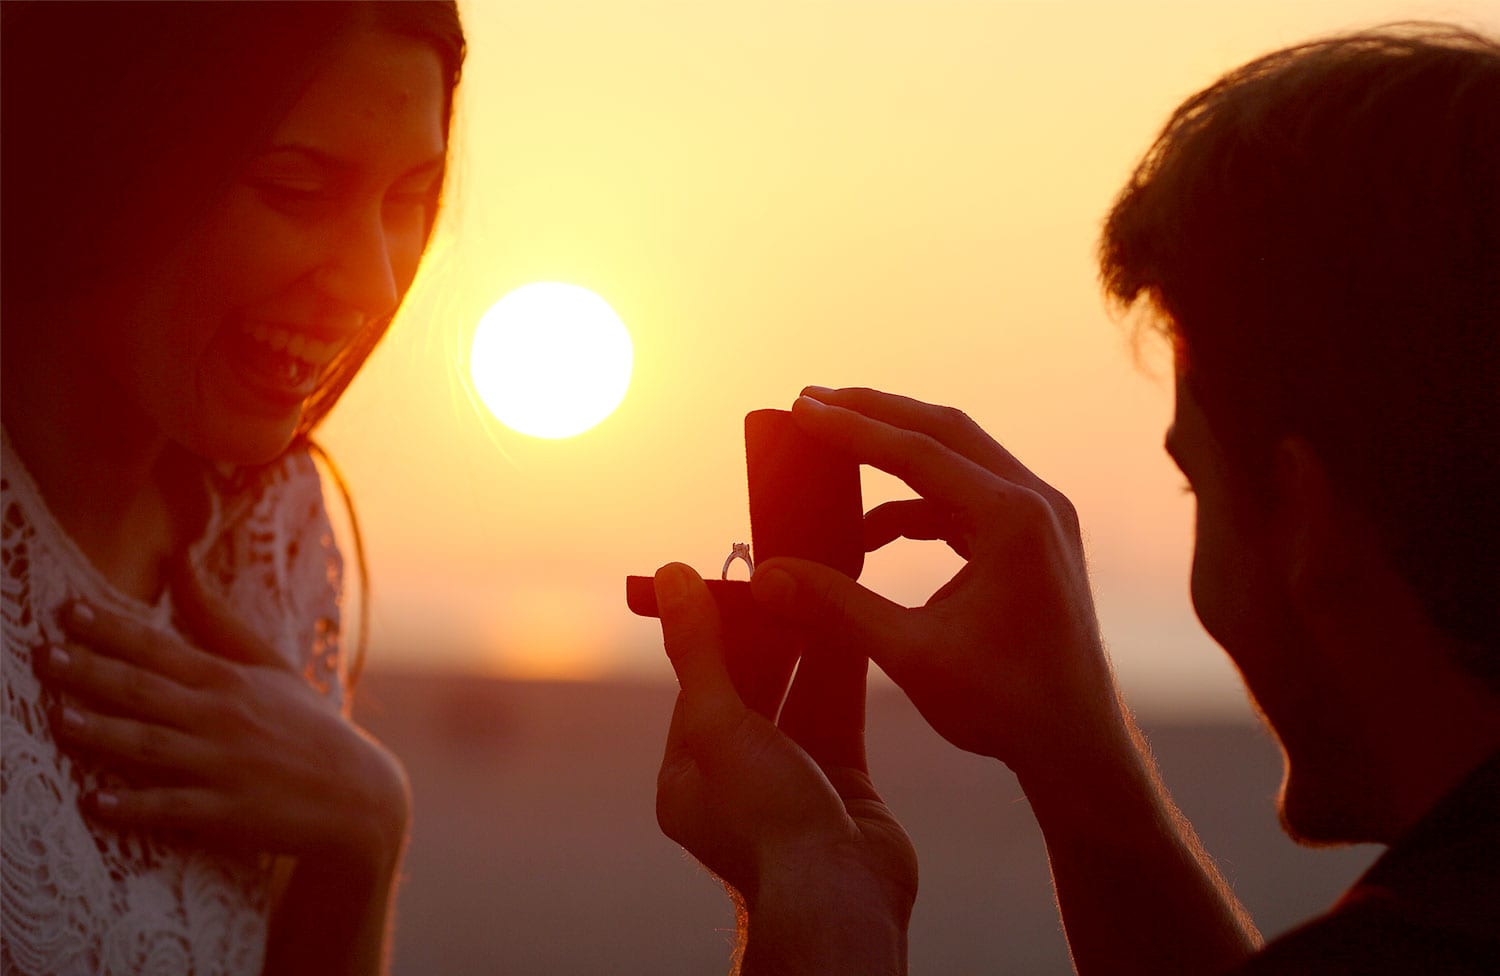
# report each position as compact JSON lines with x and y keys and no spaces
{"x":741,"y":550}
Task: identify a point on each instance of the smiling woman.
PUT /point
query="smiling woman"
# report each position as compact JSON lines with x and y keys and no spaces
{"x":195,"y":265}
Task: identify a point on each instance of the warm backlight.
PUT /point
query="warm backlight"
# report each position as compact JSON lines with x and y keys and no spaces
{"x":551,"y":359}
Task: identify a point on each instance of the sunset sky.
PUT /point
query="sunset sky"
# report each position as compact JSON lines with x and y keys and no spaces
{"x":904,"y":195}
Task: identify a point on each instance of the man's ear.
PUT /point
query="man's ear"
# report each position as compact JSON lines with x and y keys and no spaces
{"x":1323,"y":542}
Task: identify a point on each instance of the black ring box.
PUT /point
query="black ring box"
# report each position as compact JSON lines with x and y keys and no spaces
{"x":804,"y":502}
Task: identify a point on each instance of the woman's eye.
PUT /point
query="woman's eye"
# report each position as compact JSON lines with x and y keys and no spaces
{"x":295,"y":197}
{"x":423,"y":198}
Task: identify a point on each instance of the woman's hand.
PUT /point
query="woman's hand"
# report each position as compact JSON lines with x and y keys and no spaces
{"x":784,"y":813}
{"x":226,"y":741}
{"x":1005,"y":659}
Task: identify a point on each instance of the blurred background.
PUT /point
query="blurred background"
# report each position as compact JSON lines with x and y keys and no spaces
{"x":895,"y":193}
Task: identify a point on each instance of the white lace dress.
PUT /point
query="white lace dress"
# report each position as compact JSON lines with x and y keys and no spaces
{"x":81,"y":898}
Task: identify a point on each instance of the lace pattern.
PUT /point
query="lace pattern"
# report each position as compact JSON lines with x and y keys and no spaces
{"x":81,"y":898}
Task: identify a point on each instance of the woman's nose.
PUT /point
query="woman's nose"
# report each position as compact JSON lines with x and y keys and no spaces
{"x":359,"y":273}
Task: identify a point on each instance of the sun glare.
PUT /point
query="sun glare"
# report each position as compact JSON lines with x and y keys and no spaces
{"x":551,"y":360}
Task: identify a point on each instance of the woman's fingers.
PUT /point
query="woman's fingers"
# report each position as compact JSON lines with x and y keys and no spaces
{"x":130,"y":641}
{"x":194,"y":808}
{"x":119,"y":686}
{"x":140,"y":744}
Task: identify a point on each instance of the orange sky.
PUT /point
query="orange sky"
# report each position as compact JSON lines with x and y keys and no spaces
{"x":895,"y":194}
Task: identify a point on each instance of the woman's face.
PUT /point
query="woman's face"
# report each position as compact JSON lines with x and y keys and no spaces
{"x":318,"y":239}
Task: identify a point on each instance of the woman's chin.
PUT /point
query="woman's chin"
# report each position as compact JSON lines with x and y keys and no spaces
{"x":242,"y":442}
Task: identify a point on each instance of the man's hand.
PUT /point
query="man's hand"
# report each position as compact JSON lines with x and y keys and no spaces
{"x":1005,"y":659}
{"x":785,"y":814}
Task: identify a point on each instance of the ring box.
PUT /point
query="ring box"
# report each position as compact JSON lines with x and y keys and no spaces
{"x":804,"y":502}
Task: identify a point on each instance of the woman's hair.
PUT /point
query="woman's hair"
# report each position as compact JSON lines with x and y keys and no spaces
{"x":124,"y":122}
{"x":1320,"y":233}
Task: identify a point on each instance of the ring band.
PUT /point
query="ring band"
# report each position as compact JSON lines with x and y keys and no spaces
{"x":741,"y":550}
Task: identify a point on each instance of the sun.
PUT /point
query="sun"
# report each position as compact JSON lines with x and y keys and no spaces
{"x":551,"y":359}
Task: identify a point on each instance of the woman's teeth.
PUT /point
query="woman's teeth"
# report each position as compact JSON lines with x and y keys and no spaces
{"x":310,"y":351}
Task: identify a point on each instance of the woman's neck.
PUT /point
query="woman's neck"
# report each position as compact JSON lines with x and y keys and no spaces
{"x":108,"y":475}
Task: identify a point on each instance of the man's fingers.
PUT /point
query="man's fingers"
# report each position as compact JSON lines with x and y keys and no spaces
{"x":912,"y":518}
{"x":825,"y":709}
{"x":694,"y":641}
{"x":928,"y":466}
{"x":949,"y":426}
{"x":216,"y":628}
{"x":834,"y":605}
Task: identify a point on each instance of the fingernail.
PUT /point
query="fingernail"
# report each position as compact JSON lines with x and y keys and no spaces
{"x":58,"y":658}
{"x":81,"y":613}
{"x":72,"y":718}
{"x":671,"y":582}
{"x":818,"y":392}
{"x":106,"y":801}
{"x":775,"y":588}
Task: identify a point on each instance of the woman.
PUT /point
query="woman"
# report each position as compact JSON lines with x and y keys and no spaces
{"x":211,"y":212}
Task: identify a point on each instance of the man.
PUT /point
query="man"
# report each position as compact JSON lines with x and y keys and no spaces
{"x":1318,"y":234}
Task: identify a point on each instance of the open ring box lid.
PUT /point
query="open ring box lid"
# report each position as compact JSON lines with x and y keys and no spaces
{"x":804,"y":502}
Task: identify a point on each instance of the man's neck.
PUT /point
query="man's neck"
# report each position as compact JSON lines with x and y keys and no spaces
{"x":1447,"y":726}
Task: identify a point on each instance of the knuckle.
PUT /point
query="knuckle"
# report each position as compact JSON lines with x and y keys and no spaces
{"x":137,"y":689}
{"x":1042,"y":508}
{"x":128,"y":636}
{"x":238,"y":718}
{"x":952,"y":418}
{"x":1065,"y":510}
{"x":225,"y":676}
{"x":919,"y":449}
{"x":71,"y":662}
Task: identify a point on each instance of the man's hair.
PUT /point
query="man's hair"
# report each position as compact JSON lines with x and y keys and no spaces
{"x":1318,"y":233}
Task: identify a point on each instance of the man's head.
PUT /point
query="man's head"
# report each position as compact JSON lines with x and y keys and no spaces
{"x":1319,"y":235}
